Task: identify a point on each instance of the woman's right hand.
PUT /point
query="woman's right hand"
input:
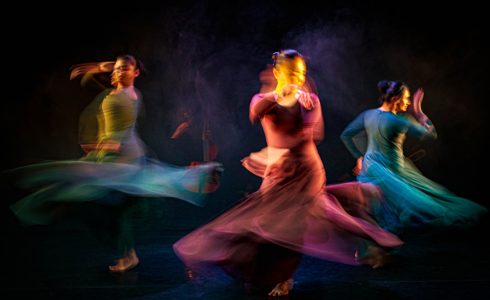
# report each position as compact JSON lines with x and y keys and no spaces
{"x":287,"y":95}
{"x":288,"y":89}
{"x":97,"y":67}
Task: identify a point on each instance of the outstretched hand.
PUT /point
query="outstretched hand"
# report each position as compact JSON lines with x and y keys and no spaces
{"x":97,"y":67}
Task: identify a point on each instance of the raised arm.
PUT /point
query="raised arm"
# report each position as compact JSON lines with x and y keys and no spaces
{"x":421,"y":128}
{"x":88,"y":72}
{"x":420,"y":124}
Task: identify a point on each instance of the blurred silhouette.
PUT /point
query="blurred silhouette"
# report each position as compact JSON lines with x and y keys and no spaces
{"x":261,"y":239}
{"x":413,"y":200}
{"x":114,"y":170}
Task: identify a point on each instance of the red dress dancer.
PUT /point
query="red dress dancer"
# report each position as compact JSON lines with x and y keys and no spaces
{"x":261,"y":239}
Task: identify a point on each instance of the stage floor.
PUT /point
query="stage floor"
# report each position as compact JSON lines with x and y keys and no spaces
{"x":50,"y":263}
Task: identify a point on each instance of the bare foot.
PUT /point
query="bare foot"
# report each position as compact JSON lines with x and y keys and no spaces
{"x":126,"y":263}
{"x":190,"y":274}
{"x":375,"y":257}
{"x":282,"y":288}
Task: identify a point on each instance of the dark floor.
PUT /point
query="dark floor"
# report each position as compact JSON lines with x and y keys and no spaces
{"x":52,"y":263}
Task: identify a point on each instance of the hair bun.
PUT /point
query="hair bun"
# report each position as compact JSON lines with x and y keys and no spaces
{"x":274,"y":58}
{"x":383,"y":86}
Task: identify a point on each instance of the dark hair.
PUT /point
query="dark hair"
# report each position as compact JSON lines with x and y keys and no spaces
{"x":287,"y":54}
{"x":138,"y":65}
{"x":390,"y":89}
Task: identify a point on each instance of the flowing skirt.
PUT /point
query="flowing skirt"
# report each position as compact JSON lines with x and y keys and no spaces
{"x":262,"y":238}
{"x":414,"y":199}
{"x":81,"y":181}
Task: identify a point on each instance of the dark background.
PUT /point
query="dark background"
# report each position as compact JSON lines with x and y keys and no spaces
{"x":205,"y":57}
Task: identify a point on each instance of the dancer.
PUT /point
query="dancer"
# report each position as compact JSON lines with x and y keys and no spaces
{"x":114,"y":169}
{"x":261,"y":239}
{"x":412,"y":199}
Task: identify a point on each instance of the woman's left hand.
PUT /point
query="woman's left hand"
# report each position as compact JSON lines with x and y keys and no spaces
{"x":358,"y":167}
{"x":418,"y":96}
{"x":305,"y":100}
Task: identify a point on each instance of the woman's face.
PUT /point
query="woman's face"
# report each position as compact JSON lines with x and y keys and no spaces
{"x":291,"y":72}
{"x":124,"y":73}
{"x":402,"y":103}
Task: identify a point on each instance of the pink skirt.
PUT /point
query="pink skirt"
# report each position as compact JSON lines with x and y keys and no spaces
{"x":262,"y":238}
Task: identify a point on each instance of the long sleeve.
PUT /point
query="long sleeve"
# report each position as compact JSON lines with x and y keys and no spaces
{"x":261,"y":104}
{"x":425,"y":130}
{"x":347,"y":136}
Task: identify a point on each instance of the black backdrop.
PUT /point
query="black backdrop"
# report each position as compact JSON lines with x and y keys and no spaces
{"x":205,"y":57}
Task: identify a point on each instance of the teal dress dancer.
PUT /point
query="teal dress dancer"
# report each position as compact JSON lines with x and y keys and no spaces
{"x":413,"y":200}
